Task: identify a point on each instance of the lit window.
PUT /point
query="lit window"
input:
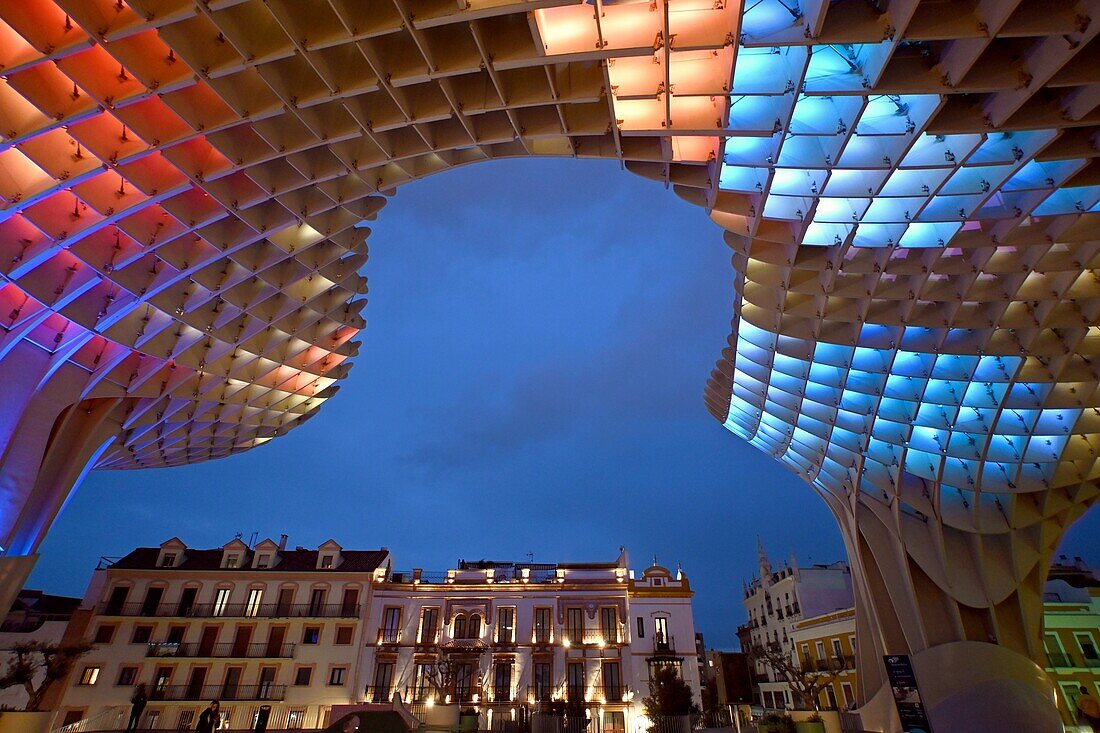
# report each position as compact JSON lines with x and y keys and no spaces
{"x":296,"y":718}
{"x":252,"y":608}
{"x":89,"y":676}
{"x":221,"y":600}
{"x":336,"y":675}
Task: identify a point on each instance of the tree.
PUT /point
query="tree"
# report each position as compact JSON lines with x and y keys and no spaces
{"x":668,"y":696}
{"x":31,"y":658}
{"x":807,"y":684}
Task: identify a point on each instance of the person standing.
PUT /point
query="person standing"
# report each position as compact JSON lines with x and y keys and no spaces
{"x":1088,"y":709}
{"x":208,"y":719}
{"x":137,"y":703}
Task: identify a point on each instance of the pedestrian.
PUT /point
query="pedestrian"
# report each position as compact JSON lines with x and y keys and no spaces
{"x":209,"y":719}
{"x":137,"y":703}
{"x":1088,"y":709}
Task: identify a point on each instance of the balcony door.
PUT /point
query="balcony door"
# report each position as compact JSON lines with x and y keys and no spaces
{"x":241,"y":641}
{"x":267,"y":679}
{"x":275,"y":638}
{"x":187,"y":601}
{"x":574,"y":691}
{"x":195,"y":683}
{"x":207,"y":640}
{"x":116,"y":602}
{"x":231,"y":684}
{"x":286,"y":599}
{"x":152,"y":601}
{"x":350,"y":605}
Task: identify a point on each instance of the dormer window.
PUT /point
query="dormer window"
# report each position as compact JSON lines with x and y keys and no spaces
{"x":168,"y":560}
{"x":263,"y":561}
{"x":326,"y":562}
{"x":232,"y":560}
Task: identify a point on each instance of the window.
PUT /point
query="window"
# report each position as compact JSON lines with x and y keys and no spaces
{"x":344,"y":635}
{"x":232,"y":560}
{"x":187,"y":601}
{"x":73,"y":716}
{"x":641,"y":627}
{"x":391,"y":624}
{"x":263,"y":561}
{"x":169,"y":560}
{"x":252,"y":608}
{"x":502,"y":681}
{"x":806,"y":655}
{"x":89,"y":676}
{"x":574,"y":690}
{"x":383,"y":679}
{"x":311,"y":635}
{"x":506,"y":625}
{"x":543,"y":681}
{"x":474,"y":629}
{"x":152,"y":719}
{"x":317,"y":602}
{"x":660,"y":632}
{"x":296,"y":718}
{"x":609,"y":624}
{"x":186,"y":720}
{"x":612,"y":682}
{"x":542,"y":625}
{"x":302,"y":676}
{"x":574,"y":624}
{"x":142,"y":634}
{"x":459,"y":631}
{"x":820,"y":648}
{"x":336,"y":675}
{"x":848,"y":693}
{"x":1088,"y":646}
{"x":127,"y":676}
{"x":463,"y":678}
{"x":221,"y":601}
{"x":326,"y":562}
{"x":422,"y":686}
{"x":837,"y":652}
{"x":429,"y":619}
{"x":614,"y":722}
{"x":104,"y":634}
{"x":350,"y":605}
{"x":175,"y":634}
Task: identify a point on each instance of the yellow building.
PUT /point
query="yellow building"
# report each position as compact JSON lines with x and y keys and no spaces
{"x":1071,"y":631}
{"x":826,"y":643}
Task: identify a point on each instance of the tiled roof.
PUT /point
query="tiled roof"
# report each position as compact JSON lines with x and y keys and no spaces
{"x":353,"y":561}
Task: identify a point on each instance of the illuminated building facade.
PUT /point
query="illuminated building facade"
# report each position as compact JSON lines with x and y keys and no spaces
{"x":519,"y":638}
{"x":909,"y":187}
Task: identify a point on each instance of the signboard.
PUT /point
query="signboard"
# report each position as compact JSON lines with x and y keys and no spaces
{"x":903,"y":683}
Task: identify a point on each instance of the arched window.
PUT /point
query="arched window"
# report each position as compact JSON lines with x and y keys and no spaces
{"x":460,"y":626}
{"x":475,"y":626}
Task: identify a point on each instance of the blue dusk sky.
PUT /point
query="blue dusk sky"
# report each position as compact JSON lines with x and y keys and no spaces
{"x":530,"y":381}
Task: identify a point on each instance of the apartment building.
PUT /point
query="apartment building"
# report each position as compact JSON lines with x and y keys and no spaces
{"x":826,"y":645}
{"x":512,"y":639}
{"x":304,"y":630}
{"x":249,"y":626}
{"x":779,"y":599}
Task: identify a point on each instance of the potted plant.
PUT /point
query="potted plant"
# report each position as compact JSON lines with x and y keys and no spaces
{"x":36,"y":666}
{"x":812,"y":724}
{"x":777,"y":723}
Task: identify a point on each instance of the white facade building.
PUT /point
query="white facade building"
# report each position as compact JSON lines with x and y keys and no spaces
{"x":305,"y":630}
{"x":247,"y":626}
{"x":516,"y":638}
{"x":778,"y":600}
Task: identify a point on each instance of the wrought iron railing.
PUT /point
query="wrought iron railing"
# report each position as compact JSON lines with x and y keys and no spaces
{"x":221,"y":692}
{"x":232,"y":610}
{"x":258,"y":650}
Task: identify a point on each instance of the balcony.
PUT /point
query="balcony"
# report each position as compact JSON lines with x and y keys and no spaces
{"x":233,"y":610}
{"x":608,"y":693}
{"x":389,"y":636}
{"x":501,"y":694}
{"x":593,"y":637}
{"x":540,"y":693}
{"x":221,"y":651}
{"x":664,"y":645}
{"x":379,"y":693}
{"x":219,"y":692}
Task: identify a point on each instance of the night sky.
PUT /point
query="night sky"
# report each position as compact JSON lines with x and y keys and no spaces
{"x":530,"y":381}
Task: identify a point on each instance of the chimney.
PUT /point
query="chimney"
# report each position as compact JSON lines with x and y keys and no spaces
{"x":282,"y":542}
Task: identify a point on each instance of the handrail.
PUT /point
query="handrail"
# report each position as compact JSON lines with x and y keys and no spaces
{"x":114,"y":715}
{"x":255,"y":650}
{"x":232,"y":610}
